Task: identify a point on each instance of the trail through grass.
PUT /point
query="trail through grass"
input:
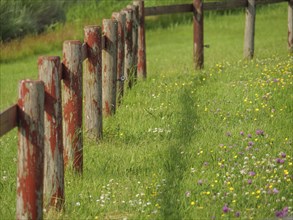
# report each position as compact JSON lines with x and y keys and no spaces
{"x":185,"y":144}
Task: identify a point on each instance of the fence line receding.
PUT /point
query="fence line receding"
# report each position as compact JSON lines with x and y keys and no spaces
{"x":50,"y":128}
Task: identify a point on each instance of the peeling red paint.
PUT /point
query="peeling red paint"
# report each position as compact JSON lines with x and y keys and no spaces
{"x":50,"y":73}
{"x":107,"y":107}
{"x":141,"y":59}
{"x":30,"y":150}
{"x":72,"y":103}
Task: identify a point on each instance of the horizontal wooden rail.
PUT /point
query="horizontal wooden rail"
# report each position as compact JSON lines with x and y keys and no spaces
{"x":227,"y":5}
{"x":207,"y":6}
{"x":168,"y":9}
{"x":8,"y":119}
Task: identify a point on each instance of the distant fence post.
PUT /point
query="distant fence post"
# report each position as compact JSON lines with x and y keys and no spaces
{"x":93,"y":82}
{"x":135,"y":19}
{"x":121,"y":18}
{"x":198,"y":52}
{"x":249,"y":30}
{"x":128,"y":66}
{"x":50,"y":73}
{"x":72,"y":104}
{"x":30,"y":167}
{"x":109,"y":60}
{"x":141,"y":55}
{"x":290,"y":25}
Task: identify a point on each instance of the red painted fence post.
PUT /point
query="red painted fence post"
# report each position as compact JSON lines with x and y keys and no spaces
{"x":109,"y":60}
{"x":290,"y":26}
{"x":93,"y":82}
{"x":141,"y":55}
{"x":134,"y":41}
{"x":198,"y":52}
{"x":50,"y":73}
{"x":128,"y":66}
{"x":72,"y":104}
{"x":121,"y":19}
{"x":30,"y":167}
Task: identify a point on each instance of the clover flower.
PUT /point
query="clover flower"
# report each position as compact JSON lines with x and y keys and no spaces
{"x":282,"y":213}
{"x":259,"y":132}
{"x":226,"y":209}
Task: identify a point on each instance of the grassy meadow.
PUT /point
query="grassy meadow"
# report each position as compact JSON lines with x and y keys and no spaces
{"x":184,"y":144}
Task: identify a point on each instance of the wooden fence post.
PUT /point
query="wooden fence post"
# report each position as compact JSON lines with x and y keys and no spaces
{"x":198,"y":53}
{"x":30,"y":167}
{"x":290,"y":26}
{"x":72,"y":104}
{"x":109,"y":60}
{"x":121,"y":18}
{"x":141,"y":55}
{"x":50,"y":73}
{"x":249,"y":30}
{"x":93,"y":82}
{"x":134,"y":42}
{"x":128,"y":69}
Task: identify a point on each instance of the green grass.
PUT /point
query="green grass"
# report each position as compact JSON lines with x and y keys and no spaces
{"x":184,"y":143}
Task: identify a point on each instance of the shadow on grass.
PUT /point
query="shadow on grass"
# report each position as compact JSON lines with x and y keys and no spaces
{"x":177,"y":157}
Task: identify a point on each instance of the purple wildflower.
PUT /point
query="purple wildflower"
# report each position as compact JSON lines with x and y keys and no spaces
{"x":251,"y":173}
{"x":279,"y":160}
{"x":249,"y":136}
{"x":275,"y":191}
{"x":250,"y":143}
{"x":259,"y":132}
{"x":249,"y":181}
{"x":282,"y":213}
{"x":241,"y":133}
{"x":237,"y":214}
{"x":226,"y":208}
{"x":283,"y":155}
{"x":200,"y":182}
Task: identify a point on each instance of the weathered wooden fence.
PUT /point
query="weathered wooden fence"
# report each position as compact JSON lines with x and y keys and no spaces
{"x":198,"y":7}
{"x":49,"y":111}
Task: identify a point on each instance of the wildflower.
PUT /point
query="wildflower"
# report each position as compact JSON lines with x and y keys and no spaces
{"x":279,"y":160}
{"x":251,"y":173}
{"x":226,"y":209}
{"x":192,"y":203}
{"x":199,"y":182}
{"x":250,"y":143}
{"x":237,"y":214}
{"x":282,"y":213}
{"x":249,"y":181}
{"x":187,"y":193}
{"x":259,"y":132}
{"x":283,"y":155}
{"x":205,"y":163}
{"x":249,"y":136}
{"x":241,"y":133}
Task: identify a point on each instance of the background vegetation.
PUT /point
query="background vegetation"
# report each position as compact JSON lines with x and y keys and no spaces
{"x":184,"y":144}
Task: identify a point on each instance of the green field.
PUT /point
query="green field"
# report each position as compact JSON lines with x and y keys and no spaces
{"x":184,"y":144}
